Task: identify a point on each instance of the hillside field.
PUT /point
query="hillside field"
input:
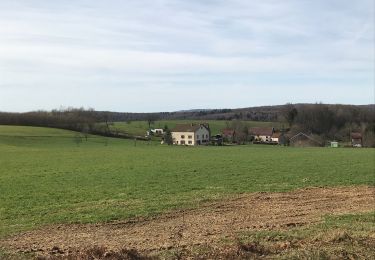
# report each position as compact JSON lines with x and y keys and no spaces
{"x":140,"y":127}
{"x":47,"y":177}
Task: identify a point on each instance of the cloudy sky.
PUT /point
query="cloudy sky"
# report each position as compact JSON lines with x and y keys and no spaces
{"x":165,"y":55}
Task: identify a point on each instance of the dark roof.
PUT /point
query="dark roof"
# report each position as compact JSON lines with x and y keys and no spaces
{"x":356,"y":135}
{"x":261,"y":131}
{"x":189,"y":127}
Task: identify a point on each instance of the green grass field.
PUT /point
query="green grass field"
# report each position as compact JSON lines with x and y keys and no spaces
{"x":45,"y":177}
{"x":140,"y":127}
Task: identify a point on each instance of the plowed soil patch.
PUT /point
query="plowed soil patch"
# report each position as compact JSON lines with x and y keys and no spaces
{"x":207,"y":224}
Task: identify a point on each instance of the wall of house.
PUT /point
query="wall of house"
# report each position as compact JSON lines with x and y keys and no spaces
{"x":263,"y":138}
{"x":202,"y":136}
{"x":183,"y":138}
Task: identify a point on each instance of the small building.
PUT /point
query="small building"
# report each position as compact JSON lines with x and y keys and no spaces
{"x":228,"y":135}
{"x":191,"y":134}
{"x":303,"y":140}
{"x":356,"y":139}
{"x":334,"y":144}
{"x":157,"y":131}
{"x":262,"y":134}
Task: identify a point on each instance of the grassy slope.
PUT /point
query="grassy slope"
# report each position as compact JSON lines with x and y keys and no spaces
{"x":140,"y":127}
{"x":52,"y":180}
{"x":337,"y":237}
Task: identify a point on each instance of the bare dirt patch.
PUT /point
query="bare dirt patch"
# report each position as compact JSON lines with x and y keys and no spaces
{"x":208,"y":224}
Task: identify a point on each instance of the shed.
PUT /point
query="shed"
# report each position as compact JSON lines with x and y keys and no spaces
{"x":334,"y":144}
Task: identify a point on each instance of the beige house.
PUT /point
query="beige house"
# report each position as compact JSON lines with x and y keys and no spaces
{"x":262,"y":134}
{"x":191,"y":134}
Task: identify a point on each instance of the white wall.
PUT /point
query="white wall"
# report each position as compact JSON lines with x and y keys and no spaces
{"x":201,"y":136}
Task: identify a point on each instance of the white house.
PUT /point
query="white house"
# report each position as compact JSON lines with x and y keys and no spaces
{"x":191,"y":134}
{"x":262,"y":134}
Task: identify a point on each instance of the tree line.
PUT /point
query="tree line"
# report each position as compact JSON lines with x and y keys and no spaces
{"x":328,"y":122}
{"x":331,"y":122}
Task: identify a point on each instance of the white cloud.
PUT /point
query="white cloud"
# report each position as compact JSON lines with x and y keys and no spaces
{"x":179,"y":45}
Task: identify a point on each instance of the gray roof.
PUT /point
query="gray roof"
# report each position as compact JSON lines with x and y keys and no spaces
{"x":189,"y":127}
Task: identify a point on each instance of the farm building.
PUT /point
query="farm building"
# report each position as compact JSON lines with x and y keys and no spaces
{"x":191,"y":134}
{"x":156,"y":131}
{"x":356,"y":139}
{"x":303,"y":140}
{"x":262,"y":134}
{"x":228,"y":134}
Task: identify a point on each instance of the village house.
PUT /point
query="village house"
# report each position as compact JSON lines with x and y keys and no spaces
{"x":303,"y":140}
{"x":262,"y":134}
{"x":191,"y":134}
{"x":356,"y":139}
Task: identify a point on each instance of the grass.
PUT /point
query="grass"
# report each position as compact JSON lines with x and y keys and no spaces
{"x":338,"y":237}
{"x":140,"y":127}
{"x":46,"y":180}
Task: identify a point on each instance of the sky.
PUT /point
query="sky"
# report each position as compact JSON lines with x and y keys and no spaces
{"x":169,"y":55}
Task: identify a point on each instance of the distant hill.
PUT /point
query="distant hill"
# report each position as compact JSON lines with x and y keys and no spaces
{"x":261,"y":113}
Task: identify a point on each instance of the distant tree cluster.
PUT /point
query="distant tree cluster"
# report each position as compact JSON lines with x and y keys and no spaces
{"x":77,"y":119}
{"x":331,"y":122}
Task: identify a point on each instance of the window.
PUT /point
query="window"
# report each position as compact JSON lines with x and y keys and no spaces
{"x":190,"y":136}
{"x":206,"y":136}
{"x":182,"y":136}
{"x":190,"y":142}
{"x":182,"y":142}
{"x":197,"y":136}
{"x":176,"y":142}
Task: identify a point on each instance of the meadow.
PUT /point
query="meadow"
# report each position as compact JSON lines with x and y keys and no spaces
{"x":46,"y":177}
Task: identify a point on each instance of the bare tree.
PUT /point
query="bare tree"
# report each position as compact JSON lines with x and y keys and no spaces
{"x":290,"y":113}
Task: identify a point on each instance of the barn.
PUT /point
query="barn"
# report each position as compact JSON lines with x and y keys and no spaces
{"x":303,"y":140}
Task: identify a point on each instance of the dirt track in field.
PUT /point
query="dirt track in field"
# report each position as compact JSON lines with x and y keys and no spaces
{"x":208,"y":224}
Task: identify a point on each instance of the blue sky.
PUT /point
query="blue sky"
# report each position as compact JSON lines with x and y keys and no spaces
{"x":166,"y":55}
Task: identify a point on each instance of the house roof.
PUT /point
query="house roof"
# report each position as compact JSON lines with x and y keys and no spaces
{"x":228,"y":131}
{"x":304,"y":135}
{"x":261,"y":131}
{"x":356,"y":135}
{"x":188,"y":127}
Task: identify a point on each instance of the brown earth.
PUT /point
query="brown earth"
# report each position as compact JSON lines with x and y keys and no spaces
{"x":206,"y":225}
